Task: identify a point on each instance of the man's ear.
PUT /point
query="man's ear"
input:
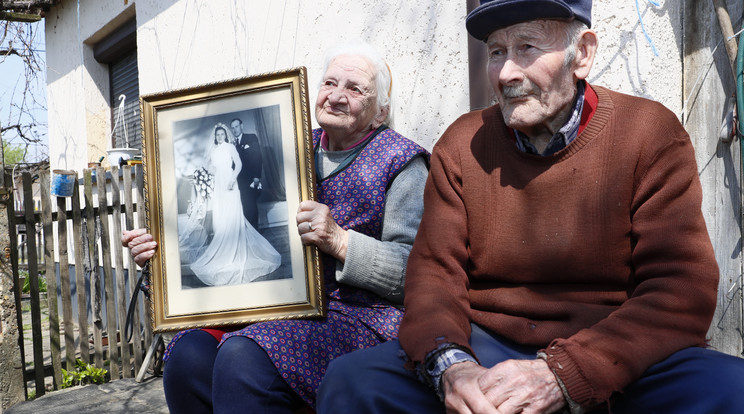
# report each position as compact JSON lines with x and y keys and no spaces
{"x":586,"y":50}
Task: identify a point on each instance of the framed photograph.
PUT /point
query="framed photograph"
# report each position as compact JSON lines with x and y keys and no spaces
{"x":226,"y":165}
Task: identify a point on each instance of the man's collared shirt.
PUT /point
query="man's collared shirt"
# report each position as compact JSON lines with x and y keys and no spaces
{"x":565,"y":135}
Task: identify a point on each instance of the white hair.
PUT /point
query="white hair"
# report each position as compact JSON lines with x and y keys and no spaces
{"x":573,"y":32}
{"x":383,"y":77}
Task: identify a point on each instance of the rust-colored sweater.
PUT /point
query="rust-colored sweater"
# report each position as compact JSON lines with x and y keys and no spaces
{"x":598,"y":253}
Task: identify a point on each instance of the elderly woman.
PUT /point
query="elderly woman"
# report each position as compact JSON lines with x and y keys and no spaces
{"x":370,"y":183}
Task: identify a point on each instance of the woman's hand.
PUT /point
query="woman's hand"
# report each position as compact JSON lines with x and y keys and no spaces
{"x":317,"y":226}
{"x":140,"y":243}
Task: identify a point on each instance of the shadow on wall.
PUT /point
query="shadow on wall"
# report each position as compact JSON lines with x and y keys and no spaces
{"x":635,"y":36}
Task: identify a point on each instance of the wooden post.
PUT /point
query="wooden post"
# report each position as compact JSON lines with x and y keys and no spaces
{"x":724,"y":21}
{"x":47,"y":225}
{"x":64,"y":278}
{"x":91,"y":266}
{"x":129,"y":225}
{"x":82,"y":297}
{"x":108,"y":278}
{"x":33,"y":276}
{"x":12,"y":385}
{"x":481,"y":91}
{"x":121,"y":300}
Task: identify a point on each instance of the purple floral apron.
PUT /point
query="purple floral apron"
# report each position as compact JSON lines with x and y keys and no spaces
{"x":357,"y":319}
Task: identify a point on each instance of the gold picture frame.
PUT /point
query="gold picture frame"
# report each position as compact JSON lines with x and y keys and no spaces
{"x":199,"y":276}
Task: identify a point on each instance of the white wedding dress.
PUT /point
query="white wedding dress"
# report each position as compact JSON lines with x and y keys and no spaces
{"x":237,"y":253}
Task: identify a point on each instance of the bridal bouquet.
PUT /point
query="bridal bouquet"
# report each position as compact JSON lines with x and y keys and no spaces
{"x":204,"y":182}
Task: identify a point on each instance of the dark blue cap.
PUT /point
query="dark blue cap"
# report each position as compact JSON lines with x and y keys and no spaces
{"x":496,"y":14}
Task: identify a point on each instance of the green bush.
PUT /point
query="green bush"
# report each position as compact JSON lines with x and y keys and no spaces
{"x":27,"y":284}
{"x":83,"y":374}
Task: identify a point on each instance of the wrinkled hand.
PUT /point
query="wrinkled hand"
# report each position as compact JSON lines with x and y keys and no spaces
{"x":140,"y":243}
{"x":462,"y":393}
{"x":513,"y":386}
{"x":317,"y":226}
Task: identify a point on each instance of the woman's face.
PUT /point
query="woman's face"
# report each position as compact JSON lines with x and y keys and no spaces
{"x":347,"y":100}
{"x":220,"y":135}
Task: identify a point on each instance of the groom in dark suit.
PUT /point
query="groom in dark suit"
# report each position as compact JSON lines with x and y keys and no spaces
{"x":249,"y":178}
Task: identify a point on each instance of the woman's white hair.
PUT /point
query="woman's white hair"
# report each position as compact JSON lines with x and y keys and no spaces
{"x":383,"y":77}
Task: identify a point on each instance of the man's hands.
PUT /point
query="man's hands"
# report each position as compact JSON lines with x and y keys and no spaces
{"x":317,"y":226}
{"x":140,"y":243}
{"x":513,"y":386}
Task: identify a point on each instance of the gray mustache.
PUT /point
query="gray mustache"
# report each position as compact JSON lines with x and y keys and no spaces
{"x":517,"y":91}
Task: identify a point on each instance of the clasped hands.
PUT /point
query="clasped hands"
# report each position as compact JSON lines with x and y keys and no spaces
{"x":512,"y":386}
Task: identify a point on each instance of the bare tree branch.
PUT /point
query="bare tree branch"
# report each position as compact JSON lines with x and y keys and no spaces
{"x":7,"y":52}
{"x":26,"y":98}
{"x":27,"y":7}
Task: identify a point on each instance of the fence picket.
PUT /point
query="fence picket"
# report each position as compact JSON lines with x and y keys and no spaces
{"x":13,"y":238}
{"x":121,"y":291}
{"x":46,"y":219}
{"x":91,"y":265}
{"x":108,"y":278}
{"x":33,"y":277}
{"x":64,"y":278}
{"x":129,"y":225}
{"x":82,"y":297}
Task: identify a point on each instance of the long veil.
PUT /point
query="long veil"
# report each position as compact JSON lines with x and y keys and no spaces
{"x":194,"y":231}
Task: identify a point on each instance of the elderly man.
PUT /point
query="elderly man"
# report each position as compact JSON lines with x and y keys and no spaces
{"x":562,"y":262}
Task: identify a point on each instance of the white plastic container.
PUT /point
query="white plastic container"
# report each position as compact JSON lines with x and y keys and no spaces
{"x":116,"y":156}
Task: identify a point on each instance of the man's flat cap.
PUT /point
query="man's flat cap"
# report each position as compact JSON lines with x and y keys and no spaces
{"x":496,"y":14}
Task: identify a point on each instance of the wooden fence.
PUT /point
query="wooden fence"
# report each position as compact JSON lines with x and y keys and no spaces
{"x":92,"y":275}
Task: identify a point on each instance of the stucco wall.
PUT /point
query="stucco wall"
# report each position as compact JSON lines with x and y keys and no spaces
{"x":626,"y":60}
{"x":182,"y":43}
{"x":186,"y":43}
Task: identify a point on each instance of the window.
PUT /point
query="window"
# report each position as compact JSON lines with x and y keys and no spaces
{"x":124,"y":81}
{"x":119,"y":51}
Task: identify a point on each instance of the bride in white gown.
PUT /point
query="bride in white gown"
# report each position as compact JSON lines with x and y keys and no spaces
{"x":237,"y":252}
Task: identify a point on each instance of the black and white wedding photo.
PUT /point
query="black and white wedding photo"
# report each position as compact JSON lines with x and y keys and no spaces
{"x":232,"y":221}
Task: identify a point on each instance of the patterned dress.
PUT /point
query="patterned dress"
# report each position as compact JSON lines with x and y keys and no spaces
{"x":357,"y":319}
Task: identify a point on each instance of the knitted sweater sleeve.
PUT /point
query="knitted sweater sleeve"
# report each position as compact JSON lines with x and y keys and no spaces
{"x":672,"y":294}
{"x":380,"y":265}
{"x":437,"y":304}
